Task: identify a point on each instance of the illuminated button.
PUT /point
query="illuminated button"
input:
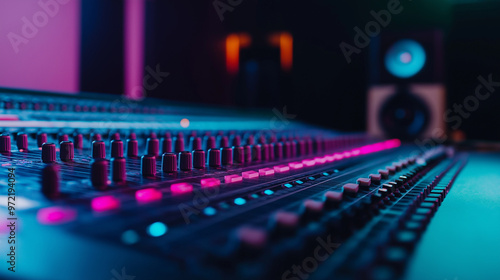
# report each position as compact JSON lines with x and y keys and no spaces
{"x":148,"y":195}
{"x":296,"y":165}
{"x":281,"y":168}
{"x":364,"y":182}
{"x":181,"y":188}
{"x":157,"y":229}
{"x":250,"y":174}
{"x":351,"y":188}
{"x":239,"y":201}
{"x":384,"y":173}
{"x":105,"y":203}
{"x":232,"y":178}
{"x":319,"y":160}
{"x":309,"y":162}
{"x":210,"y":182}
{"x":55,"y":215}
{"x":266,"y":172}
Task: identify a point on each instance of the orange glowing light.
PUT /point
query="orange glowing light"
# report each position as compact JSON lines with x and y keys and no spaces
{"x":284,"y":41}
{"x":232,"y":53}
{"x":185,"y":123}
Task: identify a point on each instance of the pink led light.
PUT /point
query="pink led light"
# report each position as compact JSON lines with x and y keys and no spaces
{"x":55,"y":215}
{"x":347,"y":154}
{"x":330,"y":158}
{"x":309,"y":162}
{"x":210,"y":182}
{"x":266,"y":171}
{"x":355,"y":152}
{"x":296,"y":165}
{"x":148,"y":195}
{"x":281,"y":168}
{"x":232,"y":178}
{"x":338,"y":156}
{"x":105,"y":203}
{"x":250,"y":174}
{"x":319,"y":160}
{"x":181,"y":188}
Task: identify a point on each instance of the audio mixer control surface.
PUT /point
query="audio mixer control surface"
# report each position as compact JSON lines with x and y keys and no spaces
{"x":161,"y":192}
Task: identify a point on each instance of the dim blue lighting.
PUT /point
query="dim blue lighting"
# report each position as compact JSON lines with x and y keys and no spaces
{"x":405,"y":58}
{"x":288,"y":185}
{"x":239,"y":201}
{"x":311,"y":178}
{"x":157,"y":229}
{"x":255,"y":195}
{"x":209,"y":211}
{"x":299,"y":182}
{"x":268,"y":192}
{"x":130,"y":237}
{"x":326,"y":174}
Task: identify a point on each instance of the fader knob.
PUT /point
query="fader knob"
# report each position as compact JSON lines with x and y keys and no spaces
{"x":153,"y":147}
{"x":195,"y":143}
{"x":210,"y":143}
{"x":214,"y":157}
{"x":148,"y":166}
{"x":41,"y":138}
{"x":78,"y":141}
{"x":199,"y":159}
{"x":118,"y":171}
{"x":5,"y":143}
{"x":132,"y":148}
{"x":166,"y":144}
{"x":66,"y":152}
{"x":227,"y":156}
{"x":98,"y":149}
{"x":22,"y":141}
{"x":50,"y":180}
{"x":48,"y":152}
{"x":238,"y":154}
{"x":169,"y":162}
{"x":179,"y":144}
{"x":99,"y":173}
{"x":185,"y":161}
{"x":116,"y":148}
{"x":63,"y":137}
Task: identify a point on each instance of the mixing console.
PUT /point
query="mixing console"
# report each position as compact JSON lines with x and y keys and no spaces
{"x":111,"y":190}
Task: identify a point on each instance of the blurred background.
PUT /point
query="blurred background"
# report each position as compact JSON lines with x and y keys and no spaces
{"x":269,"y":54}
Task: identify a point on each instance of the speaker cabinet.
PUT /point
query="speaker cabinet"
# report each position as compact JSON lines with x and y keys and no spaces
{"x":407,"y":96}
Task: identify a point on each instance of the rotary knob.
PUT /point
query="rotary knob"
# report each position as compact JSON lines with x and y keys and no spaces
{"x":185,"y":161}
{"x":48,"y":152}
{"x":169,"y":162}
{"x":67,"y":151}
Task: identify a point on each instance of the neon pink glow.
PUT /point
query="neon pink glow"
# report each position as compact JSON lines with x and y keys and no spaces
{"x":210,"y":182}
{"x":355,"y":152}
{"x":40,"y":45}
{"x":296,"y":165}
{"x":338,"y":156}
{"x":134,"y":48}
{"x":281,"y":168}
{"x":266,"y":171}
{"x":330,"y":158}
{"x":55,"y":215}
{"x":232,"y":178}
{"x":148,"y":195}
{"x":105,"y":203}
{"x":181,"y":188}
{"x":250,"y":174}
{"x":309,"y":162}
{"x":320,"y":160}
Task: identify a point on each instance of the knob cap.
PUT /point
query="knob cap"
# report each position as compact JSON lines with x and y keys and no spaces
{"x":210,"y":142}
{"x":99,"y":173}
{"x":185,"y":161}
{"x":214,"y":157}
{"x":166,"y":144}
{"x":5,"y":143}
{"x":199,"y":159}
{"x":265,"y":152}
{"x":22,"y":141}
{"x":48,"y":152}
{"x":287,"y":149}
{"x":238,"y":154}
{"x":116,"y":148}
{"x":227,"y":156}
{"x":256,"y":152}
{"x":50,"y":180}
{"x":78,"y":141}
{"x":236,"y":140}
{"x":115,"y":136}
{"x":179,"y":144}
{"x":132,"y":148}
{"x":62,"y":137}
{"x":169,"y":162}
{"x":118,"y":171}
{"x":148,"y":166}
{"x":153,"y":146}
{"x":41,"y":138}
{"x":67,"y":151}
{"x":224,"y":142}
{"x":248,"y":153}
{"x":195,"y":143}
{"x":98,"y":149}
{"x":95,"y":137}
{"x":278,"y":150}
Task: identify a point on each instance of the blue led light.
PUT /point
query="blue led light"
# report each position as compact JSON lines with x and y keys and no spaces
{"x":268,"y":192}
{"x":239,"y":201}
{"x":311,"y":178}
{"x":209,"y":211}
{"x":157,"y":229}
{"x":255,"y":195}
{"x":405,"y":58}
{"x":130,"y":237}
{"x":326,"y":174}
{"x":288,"y":185}
{"x":299,"y":182}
